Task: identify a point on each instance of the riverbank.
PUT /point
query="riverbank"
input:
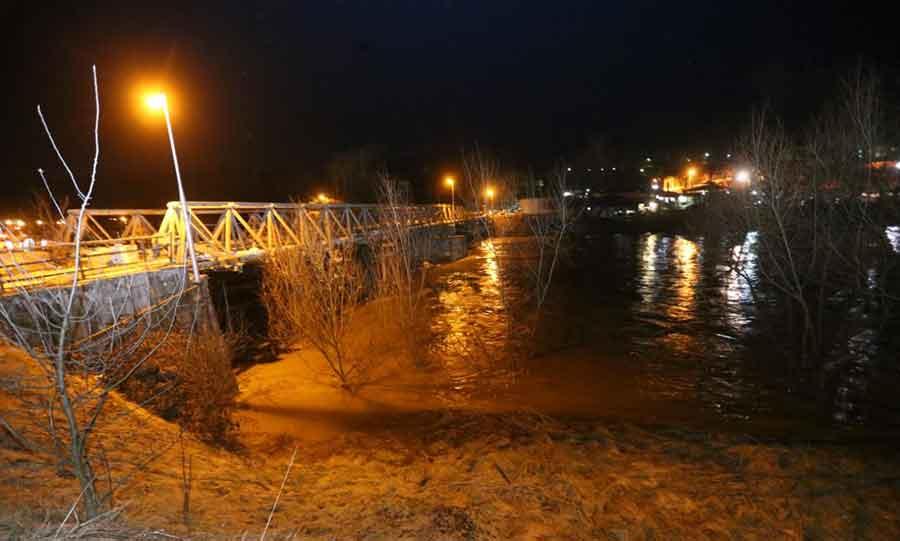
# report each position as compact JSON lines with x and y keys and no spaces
{"x":453,"y":474}
{"x":632,"y":434}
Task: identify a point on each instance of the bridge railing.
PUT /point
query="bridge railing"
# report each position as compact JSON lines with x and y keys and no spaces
{"x":128,"y":240}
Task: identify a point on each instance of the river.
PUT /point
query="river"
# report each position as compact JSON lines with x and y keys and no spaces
{"x":643,"y":328}
{"x":656,"y":328}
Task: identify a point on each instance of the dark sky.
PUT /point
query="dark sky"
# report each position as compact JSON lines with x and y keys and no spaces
{"x":265,"y":93}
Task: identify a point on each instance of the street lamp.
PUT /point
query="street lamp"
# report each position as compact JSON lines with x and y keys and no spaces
{"x":489,"y":195}
{"x":451,"y":182}
{"x":157,"y":102}
{"x":691,"y":173}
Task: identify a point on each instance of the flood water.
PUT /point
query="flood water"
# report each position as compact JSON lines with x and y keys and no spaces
{"x":654,"y":328}
{"x":643,"y":328}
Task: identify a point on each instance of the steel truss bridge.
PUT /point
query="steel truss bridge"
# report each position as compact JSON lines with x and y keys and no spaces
{"x":117,"y":242}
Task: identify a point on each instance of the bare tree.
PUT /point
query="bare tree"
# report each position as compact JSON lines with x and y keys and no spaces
{"x":311,"y":293}
{"x":84,"y":339}
{"x":402,"y":247}
{"x":549,"y":230}
{"x":534,"y":257}
{"x":817,"y":213}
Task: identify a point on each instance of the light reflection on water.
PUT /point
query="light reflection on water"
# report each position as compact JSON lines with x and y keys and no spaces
{"x":469,"y":318}
{"x":664,"y":320}
{"x":893,"y":235}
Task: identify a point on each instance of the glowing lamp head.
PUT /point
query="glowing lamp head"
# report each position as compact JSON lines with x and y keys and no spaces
{"x":155,"y":101}
{"x":322,"y":198}
{"x":742,"y":176}
{"x":489,"y":193}
{"x":691,"y":172}
{"x":449,"y":181}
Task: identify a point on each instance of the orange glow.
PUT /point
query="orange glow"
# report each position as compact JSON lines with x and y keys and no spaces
{"x":322,"y":198}
{"x":151,"y":97}
{"x":155,"y":101}
{"x":489,"y":192}
{"x":449,"y":181}
{"x":691,"y":172}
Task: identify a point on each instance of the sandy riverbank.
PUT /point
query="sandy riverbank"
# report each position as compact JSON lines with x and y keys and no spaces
{"x":447,"y":473}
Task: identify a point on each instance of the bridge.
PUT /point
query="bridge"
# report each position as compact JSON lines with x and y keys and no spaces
{"x":119,"y":242}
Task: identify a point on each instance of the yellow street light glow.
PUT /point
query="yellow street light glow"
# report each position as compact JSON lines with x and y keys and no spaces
{"x":742,"y":176}
{"x":489,"y":192}
{"x":449,"y":181}
{"x":155,"y":101}
{"x":691,"y":172}
{"x":322,"y":198}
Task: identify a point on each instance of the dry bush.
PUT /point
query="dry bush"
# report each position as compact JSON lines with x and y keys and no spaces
{"x":402,"y":247}
{"x":311,"y":293}
{"x":107,"y":526}
{"x":190,"y":379}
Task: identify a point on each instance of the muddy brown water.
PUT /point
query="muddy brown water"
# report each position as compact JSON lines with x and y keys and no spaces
{"x":646,"y":328}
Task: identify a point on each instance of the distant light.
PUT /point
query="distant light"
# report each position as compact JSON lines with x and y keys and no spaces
{"x":742,"y":176}
{"x":706,"y":154}
{"x":569,"y":169}
{"x":642,"y":169}
{"x":8,"y":222}
{"x":728,"y":156}
{"x":43,"y":243}
{"x":649,"y":160}
{"x":897,"y":165}
{"x":691,"y":172}
{"x":322,"y":198}
{"x":39,"y":222}
{"x":9,"y":244}
{"x":123,"y":219}
{"x":449,"y":181}
{"x":587,"y":189}
{"x":754,"y":192}
{"x":20,"y":223}
{"x":567,"y":194}
{"x":653,"y":206}
{"x":489,"y":192}
{"x":613,"y":168}
{"x":589,"y":209}
{"x":682,"y":199}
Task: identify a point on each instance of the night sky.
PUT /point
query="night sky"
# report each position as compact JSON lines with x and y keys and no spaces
{"x":264,"y":94}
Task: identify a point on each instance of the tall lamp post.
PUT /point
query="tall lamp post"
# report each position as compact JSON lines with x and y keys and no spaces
{"x":158,"y":102}
{"x":451,"y":182}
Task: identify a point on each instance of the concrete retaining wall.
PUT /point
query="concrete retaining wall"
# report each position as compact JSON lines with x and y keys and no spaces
{"x":158,"y":296}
